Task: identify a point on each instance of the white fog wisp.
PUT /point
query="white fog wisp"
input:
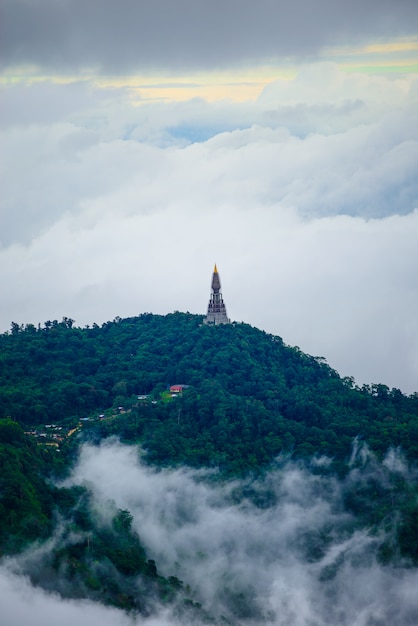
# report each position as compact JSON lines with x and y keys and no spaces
{"x":297,"y":558}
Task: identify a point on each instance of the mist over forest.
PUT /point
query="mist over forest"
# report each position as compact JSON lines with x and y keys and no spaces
{"x":281,"y":549}
{"x":159,"y":471}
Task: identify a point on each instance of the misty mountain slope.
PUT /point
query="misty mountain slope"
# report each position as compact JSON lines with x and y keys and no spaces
{"x":282,"y":549}
{"x":249,"y":398}
{"x":58,"y":538}
{"x":286,"y":502}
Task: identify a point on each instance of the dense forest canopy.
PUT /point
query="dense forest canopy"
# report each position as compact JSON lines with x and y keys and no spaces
{"x":249,"y":396}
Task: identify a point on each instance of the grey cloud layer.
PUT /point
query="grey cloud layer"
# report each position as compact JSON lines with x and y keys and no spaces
{"x":146,"y":35}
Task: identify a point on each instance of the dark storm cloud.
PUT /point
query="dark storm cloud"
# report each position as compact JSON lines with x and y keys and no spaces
{"x":148,"y":34}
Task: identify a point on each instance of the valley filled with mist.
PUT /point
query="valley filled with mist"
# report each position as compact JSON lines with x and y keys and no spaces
{"x":282,"y":549}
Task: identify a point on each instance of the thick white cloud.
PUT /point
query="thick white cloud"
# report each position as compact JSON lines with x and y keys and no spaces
{"x":322,"y":83}
{"x":23,"y":604}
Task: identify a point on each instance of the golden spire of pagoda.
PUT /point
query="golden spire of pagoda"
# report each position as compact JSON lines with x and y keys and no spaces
{"x":215,"y":269}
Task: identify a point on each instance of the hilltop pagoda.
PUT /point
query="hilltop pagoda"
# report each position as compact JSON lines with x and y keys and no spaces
{"x":216,"y":308}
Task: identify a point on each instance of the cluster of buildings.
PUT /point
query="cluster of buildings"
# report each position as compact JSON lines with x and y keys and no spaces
{"x":49,"y":434}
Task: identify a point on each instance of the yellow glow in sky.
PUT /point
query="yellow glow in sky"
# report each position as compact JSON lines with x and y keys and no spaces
{"x":238,"y":86}
{"x":385,"y":48}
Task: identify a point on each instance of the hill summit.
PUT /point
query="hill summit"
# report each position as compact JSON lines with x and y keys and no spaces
{"x":243,"y":396}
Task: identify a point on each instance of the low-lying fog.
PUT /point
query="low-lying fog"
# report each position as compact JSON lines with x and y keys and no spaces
{"x":279,"y":551}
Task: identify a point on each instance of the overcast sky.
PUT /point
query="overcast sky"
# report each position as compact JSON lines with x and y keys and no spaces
{"x":144,"y":141}
{"x":148,"y":34}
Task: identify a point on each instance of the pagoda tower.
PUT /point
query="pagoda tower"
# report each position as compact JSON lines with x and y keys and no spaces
{"x":216,"y":307}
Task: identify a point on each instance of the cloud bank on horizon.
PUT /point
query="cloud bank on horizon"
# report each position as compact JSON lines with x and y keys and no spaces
{"x":278,"y":161}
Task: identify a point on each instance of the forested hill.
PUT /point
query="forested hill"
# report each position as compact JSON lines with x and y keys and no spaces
{"x":249,"y":396}
{"x":243,"y":397}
